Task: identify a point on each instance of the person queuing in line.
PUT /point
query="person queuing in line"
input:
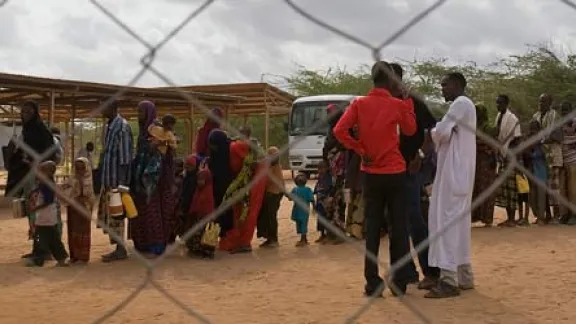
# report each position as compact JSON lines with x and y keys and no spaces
{"x":114,"y":171}
{"x":536,"y":163}
{"x":548,"y":118}
{"x":507,"y":129}
{"x":411,"y":148}
{"x":152,"y":188}
{"x":78,"y":224}
{"x":455,"y":140}
{"x":47,"y":239}
{"x":486,"y":163}
{"x":378,"y":116}
{"x":568,"y":170}
{"x":275,"y":190}
{"x":304,"y":197}
{"x":321,"y":191}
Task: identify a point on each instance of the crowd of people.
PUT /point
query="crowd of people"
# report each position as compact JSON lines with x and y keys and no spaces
{"x":389,"y":167}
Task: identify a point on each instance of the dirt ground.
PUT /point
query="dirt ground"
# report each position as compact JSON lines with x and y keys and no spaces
{"x":523,"y":275}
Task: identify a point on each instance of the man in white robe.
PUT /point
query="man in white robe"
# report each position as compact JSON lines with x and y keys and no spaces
{"x":455,"y":141}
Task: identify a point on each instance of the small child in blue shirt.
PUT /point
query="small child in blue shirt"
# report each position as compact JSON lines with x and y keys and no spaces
{"x":301,"y":215}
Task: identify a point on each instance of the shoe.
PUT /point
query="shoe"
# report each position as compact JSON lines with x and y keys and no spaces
{"x":443,"y":290}
{"x":427,"y":283}
{"x":115,"y":256}
{"x":242,"y":249}
{"x":301,"y":243}
{"x":321,"y":239}
{"x":470,"y":286}
{"x":62,"y":264}
{"x":269,"y":244}
{"x":31,"y":264}
{"x":399,"y":289}
{"x":375,"y":292}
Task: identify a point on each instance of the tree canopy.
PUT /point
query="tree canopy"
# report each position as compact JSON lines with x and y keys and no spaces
{"x":522,"y":77}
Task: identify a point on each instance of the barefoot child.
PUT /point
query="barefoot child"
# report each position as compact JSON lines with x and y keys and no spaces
{"x":300,"y":215}
{"x":45,"y":228}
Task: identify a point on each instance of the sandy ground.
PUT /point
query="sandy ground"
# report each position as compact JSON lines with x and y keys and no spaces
{"x":524,"y":275}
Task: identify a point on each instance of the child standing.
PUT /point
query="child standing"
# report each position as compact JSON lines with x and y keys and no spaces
{"x":523,"y":199}
{"x":79,"y":226}
{"x":45,"y":228}
{"x":321,"y":190}
{"x":300,"y":214}
{"x":202,"y":206}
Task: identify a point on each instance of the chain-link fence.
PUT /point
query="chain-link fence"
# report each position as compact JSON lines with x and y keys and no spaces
{"x":147,"y":63}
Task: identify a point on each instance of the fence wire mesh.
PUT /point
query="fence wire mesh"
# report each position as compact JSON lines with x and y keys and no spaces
{"x":147,"y":65}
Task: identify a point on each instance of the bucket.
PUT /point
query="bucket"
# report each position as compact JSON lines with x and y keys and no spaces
{"x":115,"y":207}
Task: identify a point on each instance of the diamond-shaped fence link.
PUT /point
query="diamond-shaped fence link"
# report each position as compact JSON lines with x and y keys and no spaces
{"x":147,"y":65}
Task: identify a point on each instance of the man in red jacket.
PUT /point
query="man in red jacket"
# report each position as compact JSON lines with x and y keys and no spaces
{"x":380,"y":118}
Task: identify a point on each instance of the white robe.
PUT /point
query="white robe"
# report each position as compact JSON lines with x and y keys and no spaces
{"x":452,"y":189}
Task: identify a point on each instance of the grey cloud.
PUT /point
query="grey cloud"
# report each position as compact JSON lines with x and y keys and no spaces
{"x":11,"y":15}
{"x":238,"y":41}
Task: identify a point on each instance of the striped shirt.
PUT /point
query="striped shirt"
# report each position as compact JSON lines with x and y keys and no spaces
{"x":117,"y":155}
{"x":569,"y":143}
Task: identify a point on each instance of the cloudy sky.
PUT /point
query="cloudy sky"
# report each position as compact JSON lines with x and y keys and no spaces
{"x":250,"y":40}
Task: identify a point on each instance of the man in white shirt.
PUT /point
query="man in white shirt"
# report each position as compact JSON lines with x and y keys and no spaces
{"x":455,"y":140}
{"x":506,"y":123}
{"x":507,"y":128}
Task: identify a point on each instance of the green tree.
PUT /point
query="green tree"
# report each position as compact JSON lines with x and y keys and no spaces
{"x":336,"y":80}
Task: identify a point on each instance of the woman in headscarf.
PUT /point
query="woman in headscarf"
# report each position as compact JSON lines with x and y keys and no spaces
{"x":245,"y":168}
{"x":275,"y":190}
{"x":79,"y":225}
{"x":202,"y":146}
{"x":485,"y":169}
{"x":37,"y":137}
{"x":219,"y":165}
{"x":152,"y":183}
{"x":336,"y":156}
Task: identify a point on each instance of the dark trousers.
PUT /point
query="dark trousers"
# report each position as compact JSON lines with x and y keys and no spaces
{"x":47,"y":241}
{"x":386,"y":192}
{"x":417,"y":227}
{"x":268,"y":218}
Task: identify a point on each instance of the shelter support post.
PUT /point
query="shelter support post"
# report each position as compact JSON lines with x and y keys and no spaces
{"x":52,"y":108}
{"x":192,"y":129}
{"x":267,"y":127}
{"x":71,"y":136}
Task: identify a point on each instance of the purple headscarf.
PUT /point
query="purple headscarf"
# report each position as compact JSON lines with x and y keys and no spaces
{"x":151,"y":115}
